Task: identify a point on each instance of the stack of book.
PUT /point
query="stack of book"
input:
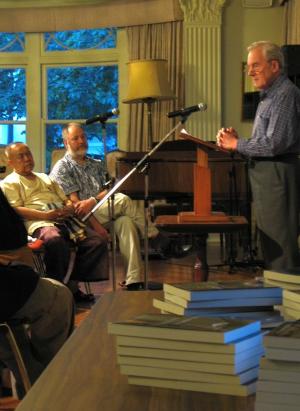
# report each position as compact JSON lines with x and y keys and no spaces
{"x":234,"y":299}
{"x":283,"y":280}
{"x":291,"y":304}
{"x":278,"y":386}
{"x":213,"y":355}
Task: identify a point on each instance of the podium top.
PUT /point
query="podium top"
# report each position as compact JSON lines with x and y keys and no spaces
{"x":203,"y":145}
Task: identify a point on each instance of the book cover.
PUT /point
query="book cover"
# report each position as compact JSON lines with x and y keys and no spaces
{"x":228,"y":369}
{"x":191,"y":356}
{"x":228,"y":389}
{"x":286,"y":336}
{"x":170,"y":307}
{"x":174,"y":327}
{"x":165,"y":373}
{"x":233,"y":348}
{"x":286,"y":278}
{"x":228,"y":302}
{"x":220,"y":290}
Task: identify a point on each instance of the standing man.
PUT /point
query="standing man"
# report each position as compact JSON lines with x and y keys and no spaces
{"x":45,"y":210}
{"x":273,"y":151}
{"x":82,"y":179}
{"x":45,"y":305}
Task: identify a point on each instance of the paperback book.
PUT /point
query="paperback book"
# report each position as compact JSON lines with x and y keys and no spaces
{"x":172,"y":327}
{"x":227,"y":369}
{"x":233,"y":348}
{"x":220,"y":290}
{"x":285,"y":336}
{"x":228,"y":389}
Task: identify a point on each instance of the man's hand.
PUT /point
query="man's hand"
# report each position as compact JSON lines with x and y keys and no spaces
{"x":58,"y":214}
{"x":227,"y":139}
{"x":83,"y":207}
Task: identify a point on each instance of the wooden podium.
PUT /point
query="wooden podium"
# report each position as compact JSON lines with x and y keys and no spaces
{"x":202,"y":185}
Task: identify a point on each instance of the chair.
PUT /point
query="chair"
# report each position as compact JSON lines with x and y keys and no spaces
{"x":8,"y":334}
{"x":37,"y":248}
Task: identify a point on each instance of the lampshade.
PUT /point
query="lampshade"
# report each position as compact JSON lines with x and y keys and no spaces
{"x":148,"y":80}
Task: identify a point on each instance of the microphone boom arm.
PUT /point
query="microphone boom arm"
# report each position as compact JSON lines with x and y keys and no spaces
{"x":133,"y":170}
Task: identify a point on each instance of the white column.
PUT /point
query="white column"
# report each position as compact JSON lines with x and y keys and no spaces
{"x":202,"y":48}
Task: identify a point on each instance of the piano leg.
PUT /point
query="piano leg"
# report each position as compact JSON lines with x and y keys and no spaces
{"x":201,"y":270}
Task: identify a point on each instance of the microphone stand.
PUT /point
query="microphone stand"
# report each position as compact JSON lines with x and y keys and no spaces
{"x":138,"y":166}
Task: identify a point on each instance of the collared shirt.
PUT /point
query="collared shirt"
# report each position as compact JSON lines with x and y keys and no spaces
{"x":35,"y":194}
{"x":276,"y":128}
{"x":85,"y":179}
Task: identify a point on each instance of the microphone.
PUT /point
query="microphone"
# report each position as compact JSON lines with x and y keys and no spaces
{"x":102,"y":116}
{"x":187,"y":111}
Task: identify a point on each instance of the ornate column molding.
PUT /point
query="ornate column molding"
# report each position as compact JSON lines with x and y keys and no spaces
{"x":202,"y":47}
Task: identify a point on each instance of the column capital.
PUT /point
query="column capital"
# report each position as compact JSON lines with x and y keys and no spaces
{"x":202,"y":12}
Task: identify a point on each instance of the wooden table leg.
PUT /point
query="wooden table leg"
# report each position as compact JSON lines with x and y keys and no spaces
{"x":201,"y":271}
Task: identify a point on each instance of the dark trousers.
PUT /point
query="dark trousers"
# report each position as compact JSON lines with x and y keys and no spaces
{"x":91,"y":256}
{"x":275,"y":190}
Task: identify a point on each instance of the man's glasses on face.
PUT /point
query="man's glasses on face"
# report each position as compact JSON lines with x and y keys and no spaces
{"x":256,"y":68}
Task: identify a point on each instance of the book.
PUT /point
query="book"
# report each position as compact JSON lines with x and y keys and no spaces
{"x":233,"y":348}
{"x":291,"y":304}
{"x":183,"y":375}
{"x":228,"y":302}
{"x":228,"y":389}
{"x":283,"y":354}
{"x":290,"y":313}
{"x":280,"y":398}
{"x":285,"y":366}
{"x":293,"y":295}
{"x":286,"y":336}
{"x":235,"y":312}
{"x":286,"y":278}
{"x":173,"y":327}
{"x":281,"y":284}
{"x":278,"y":386}
{"x":279,"y":375}
{"x":191,"y":355}
{"x":228,"y":369}
{"x":220,"y":290}
{"x":263,"y":406}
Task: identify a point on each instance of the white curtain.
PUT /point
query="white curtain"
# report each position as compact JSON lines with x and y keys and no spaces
{"x":292,"y":22}
{"x":156,"y":41}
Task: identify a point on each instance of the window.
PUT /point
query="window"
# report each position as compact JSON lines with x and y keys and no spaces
{"x":62,"y":77}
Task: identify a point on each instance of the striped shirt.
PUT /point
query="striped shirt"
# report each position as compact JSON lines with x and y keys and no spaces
{"x":276,"y":128}
{"x":85,"y":179}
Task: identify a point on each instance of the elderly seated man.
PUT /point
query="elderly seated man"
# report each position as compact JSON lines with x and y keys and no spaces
{"x":48,"y":215}
{"x":45,"y":305}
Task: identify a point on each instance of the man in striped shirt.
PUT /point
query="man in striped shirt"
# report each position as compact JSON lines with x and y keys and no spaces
{"x":273,"y":151}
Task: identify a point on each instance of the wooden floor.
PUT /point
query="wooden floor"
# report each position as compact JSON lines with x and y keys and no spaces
{"x":171,"y":271}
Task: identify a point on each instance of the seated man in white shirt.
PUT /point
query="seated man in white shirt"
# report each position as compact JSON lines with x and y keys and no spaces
{"x":33,"y":195}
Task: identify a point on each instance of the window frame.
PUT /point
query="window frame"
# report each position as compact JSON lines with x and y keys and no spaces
{"x":35,"y":60}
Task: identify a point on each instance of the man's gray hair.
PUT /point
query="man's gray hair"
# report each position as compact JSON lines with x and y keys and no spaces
{"x":10,"y":147}
{"x":65,"y":129}
{"x":270,"y":50}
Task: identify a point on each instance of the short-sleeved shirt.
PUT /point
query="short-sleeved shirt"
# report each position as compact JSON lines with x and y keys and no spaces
{"x":85,"y":179}
{"x":35,"y":194}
